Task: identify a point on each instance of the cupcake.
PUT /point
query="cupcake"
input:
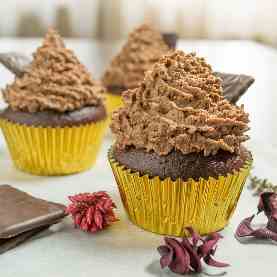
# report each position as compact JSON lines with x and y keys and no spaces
{"x":143,"y":48}
{"x":55,"y":119}
{"x":178,"y":158}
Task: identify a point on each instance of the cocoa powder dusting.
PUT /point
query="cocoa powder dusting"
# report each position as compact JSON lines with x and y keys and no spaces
{"x":179,"y":106}
{"x":144,"y":47}
{"x":55,"y":80}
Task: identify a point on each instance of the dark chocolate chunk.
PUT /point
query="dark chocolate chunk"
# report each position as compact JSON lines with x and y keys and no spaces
{"x":178,"y":165}
{"x":15,"y":62}
{"x":55,"y":119}
{"x":21,"y":212}
{"x":170,"y":39}
{"x":8,"y":244}
{"x":234,"y":85}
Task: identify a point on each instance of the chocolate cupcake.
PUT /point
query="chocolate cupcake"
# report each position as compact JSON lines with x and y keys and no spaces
{"x":178,"y":158}
{"x":55,"y":117}
{"x":143,"y":48}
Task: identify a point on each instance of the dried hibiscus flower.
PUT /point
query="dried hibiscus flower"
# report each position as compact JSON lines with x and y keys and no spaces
{"x":184,"y":256}
{"x":267,"y":205}
{"x":92,"y":212}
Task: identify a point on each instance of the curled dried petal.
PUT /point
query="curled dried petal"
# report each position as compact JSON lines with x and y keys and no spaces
{"x":244,"y":229}
{"x":212,"y":262}
{"x":166,"y":253}
{"x":182,"y":260}
{"x":267,"y":205}
{"x":195,"y":236}
{"x":185,"y":256}
{"x":208,"y":246}
{"x":194,"y":258}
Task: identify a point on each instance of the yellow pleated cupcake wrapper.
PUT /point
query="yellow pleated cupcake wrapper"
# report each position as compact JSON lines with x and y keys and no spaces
{"x":167,"y":207}
{"x":53,"y":151}
{"x":113,"y":102}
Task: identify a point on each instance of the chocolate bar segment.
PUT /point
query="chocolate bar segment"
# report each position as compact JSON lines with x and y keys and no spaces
{"x":21,"y":212}
{"x":234,"y":85}
{"x":170,"y":39}
{"x":16,"y":63}
{"x":8,"y":244}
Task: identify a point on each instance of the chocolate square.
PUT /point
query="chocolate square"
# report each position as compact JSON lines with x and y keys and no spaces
{"x":21,"y":212}
{"x":170,"y":39}
{"x":7,"y":244}
{"x":234,"y":85}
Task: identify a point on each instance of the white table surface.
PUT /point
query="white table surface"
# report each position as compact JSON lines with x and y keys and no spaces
{"x":125,"y":250}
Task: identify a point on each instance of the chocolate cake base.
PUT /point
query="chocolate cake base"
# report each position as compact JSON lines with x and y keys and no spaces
{"x":55,"y":119}
{"x":177,"y":165}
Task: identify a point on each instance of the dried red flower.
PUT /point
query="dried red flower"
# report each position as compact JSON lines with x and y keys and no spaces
{"x":267,"y":205}
{"x":92,"y":212}
{"x":184,"y":256}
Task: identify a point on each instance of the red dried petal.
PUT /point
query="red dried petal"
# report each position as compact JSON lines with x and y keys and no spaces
{"x":89,"y":215}
{"x":185,"y":256}
{"x":72,"y":199}
{"x":195,"y":236}
{"x":93,"y":228}
{"x":110,"y":218}
{"x":194,"y":258}
{"x":77,"y":220}
{"x":108,"y":204}
{"x":98,"y":219}
{"x":92,"y":211}
{"x":72,"y":209}
{"x":244,"y":229}
{"x":101,"y":194}
{"x":206,"y":248}
{"x":181,"y":261}
{"x":210,"y":261}
{"x":100,"y":207}
{"x":84,"y":224}
{"x":166,"y":253}
{"x":273,"y":205}
{"x":268,"y":205}
{"x":264,"y":233}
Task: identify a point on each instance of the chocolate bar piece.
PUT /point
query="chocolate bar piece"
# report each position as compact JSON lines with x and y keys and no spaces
{"x":21,"y":212}
{"x":7,"y":244}
{"x":15,"y":62}
{"x":170,"y":39}
{"x":234,"y":85}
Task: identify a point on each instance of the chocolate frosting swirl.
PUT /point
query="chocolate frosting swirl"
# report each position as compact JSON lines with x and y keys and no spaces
{"x":179,"y":106}
{"x":55,"y":80}
{"x":144,"y":47}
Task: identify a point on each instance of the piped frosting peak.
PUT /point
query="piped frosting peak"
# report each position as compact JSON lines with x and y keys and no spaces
{"x":179,"y":106}
{"x":143,"y":48}
{"x":55,"y":80}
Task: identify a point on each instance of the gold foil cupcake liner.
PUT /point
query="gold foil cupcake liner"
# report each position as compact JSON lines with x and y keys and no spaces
{"x":113,"y":102}
{"x":167,"y":207}
{"x":53,"y":151}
